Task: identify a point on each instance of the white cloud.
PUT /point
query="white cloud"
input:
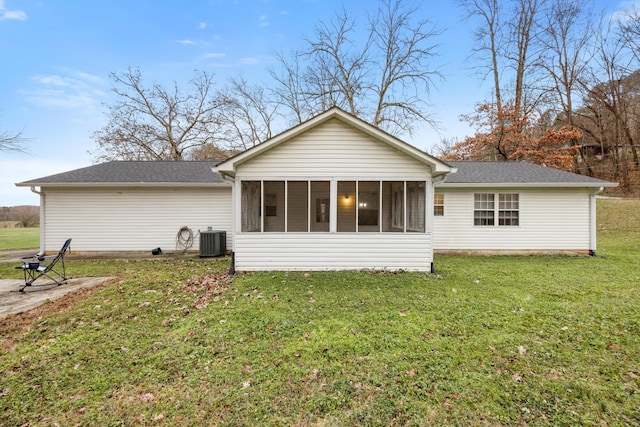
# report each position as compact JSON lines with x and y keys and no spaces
{"x":249,"y":60}
{"x":70,"y":90}
{"x":13,"y":15}
{"x":623,"y":8}
{"x":210,"y":55}
{"x":263,"y":21}
{"x":186,"y":42}
{"x":202,"y":25}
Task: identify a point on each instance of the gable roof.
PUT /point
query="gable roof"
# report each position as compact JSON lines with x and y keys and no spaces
{"x":438,"y":167}
{"x":146,"y":173}
{"x":516,"y":174}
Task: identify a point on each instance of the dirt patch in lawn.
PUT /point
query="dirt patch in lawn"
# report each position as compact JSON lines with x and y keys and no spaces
{"x":43,"y":298}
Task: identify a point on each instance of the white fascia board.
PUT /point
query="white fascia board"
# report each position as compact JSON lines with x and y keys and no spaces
{"x":122,"y":184}
{"x":526,"y":185}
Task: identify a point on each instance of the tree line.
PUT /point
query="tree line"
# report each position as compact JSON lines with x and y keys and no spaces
{"x":564,"y":84}
{"x":19,"y":216}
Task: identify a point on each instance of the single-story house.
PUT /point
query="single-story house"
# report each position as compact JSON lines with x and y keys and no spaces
{"x":331,"y":193}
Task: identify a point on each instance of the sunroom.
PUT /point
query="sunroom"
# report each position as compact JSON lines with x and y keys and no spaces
{"x":333,"y":193}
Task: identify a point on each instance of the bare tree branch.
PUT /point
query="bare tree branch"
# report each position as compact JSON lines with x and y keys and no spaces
{"x":13,"y":141}
{"x":158,"y":123}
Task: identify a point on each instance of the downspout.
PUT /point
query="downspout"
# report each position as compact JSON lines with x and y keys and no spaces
{"x":592,"y":221}
{"x":437,"y":180}
{"x":42,"y":222}
{"x":232,"y":267}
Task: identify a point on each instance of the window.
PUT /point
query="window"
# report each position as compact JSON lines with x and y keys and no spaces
{"x":483,"y":209}
{"x":508,"y":209}
{"x":297,"y":206}
{"x":320,"y":205}
{"x":346,"y":206}
{"x":368,"y":202}
{"x":273,"y":206}
{"x":360,"y":206}
{"x":416,"y":196}
{"x":393,"y":206}
{"x":438,"y":204}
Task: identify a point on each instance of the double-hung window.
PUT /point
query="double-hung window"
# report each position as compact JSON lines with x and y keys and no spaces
{"x":486,"y":210}
{"x":438,"y":204}
{"x":508,"y":209}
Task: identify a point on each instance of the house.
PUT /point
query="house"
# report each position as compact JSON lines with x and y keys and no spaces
{"x":331,"y":193}
{"x":515,"y":207}
{"x":130,"y":206}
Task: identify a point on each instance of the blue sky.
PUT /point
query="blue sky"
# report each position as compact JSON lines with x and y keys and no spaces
{"x":56,"y":57}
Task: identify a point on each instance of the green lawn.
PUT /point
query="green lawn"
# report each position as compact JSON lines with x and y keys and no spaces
{"x":507,"y":341}
{"x":19,"y":238}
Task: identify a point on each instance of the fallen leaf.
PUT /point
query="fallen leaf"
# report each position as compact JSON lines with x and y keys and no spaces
{"x":521,"y":350}
{"x":554,"y":374}
{"x":147,"y":397}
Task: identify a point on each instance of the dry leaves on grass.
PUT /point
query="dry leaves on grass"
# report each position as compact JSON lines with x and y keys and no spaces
{"x":208,"y":288}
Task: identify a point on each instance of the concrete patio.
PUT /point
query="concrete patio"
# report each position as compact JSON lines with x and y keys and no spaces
{"x":13,"y":302}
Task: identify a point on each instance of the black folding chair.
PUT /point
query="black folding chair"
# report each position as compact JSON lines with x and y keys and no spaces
{"x":52,"y":267}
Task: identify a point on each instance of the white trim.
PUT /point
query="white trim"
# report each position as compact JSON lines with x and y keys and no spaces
{"x":525,"y":185}
{"x":437,"y":167}
{"x":124,"y":184}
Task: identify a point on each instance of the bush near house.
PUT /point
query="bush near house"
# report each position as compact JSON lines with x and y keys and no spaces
{"x":541,"y":340}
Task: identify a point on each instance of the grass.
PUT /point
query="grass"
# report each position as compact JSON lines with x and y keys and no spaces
{"x":19,"y":238}
{"x":489,"y":341}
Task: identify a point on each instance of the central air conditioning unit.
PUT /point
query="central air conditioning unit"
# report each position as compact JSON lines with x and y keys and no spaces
{"x":213,"y":243}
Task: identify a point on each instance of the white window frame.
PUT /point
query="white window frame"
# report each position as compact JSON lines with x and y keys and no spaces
{"x":408,"y":219}
{"x":498,"y":204}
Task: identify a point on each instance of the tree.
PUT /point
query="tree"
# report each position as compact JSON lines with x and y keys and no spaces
{"x":404,"y":75}
{"x":629,"y":29}
{"x":12,"y":141}
{"x":507,"y":134}
{"x":489,"y":37}
{"x":566,"y":50}
{"x":612,"y":105}
{"x":337,"y":72}
{"x":506,"y":40}
{"x":389,"y":69}
{"x":157,"y":122}
{"x":246,"y":115}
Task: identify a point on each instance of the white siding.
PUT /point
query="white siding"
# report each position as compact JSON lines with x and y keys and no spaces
{"x":333,"y":251}
{"x":132,"y":219}
{"x":334,"y":149}
{"x":550,"y":219}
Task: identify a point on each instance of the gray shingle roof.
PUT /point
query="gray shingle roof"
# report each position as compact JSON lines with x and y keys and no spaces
{"x":472,"y":172}
{"x":136,"y":172}
{"x":199,"y":172}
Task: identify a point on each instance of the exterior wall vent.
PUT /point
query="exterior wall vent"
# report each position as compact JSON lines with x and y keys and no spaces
{"x":213,"y":243}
